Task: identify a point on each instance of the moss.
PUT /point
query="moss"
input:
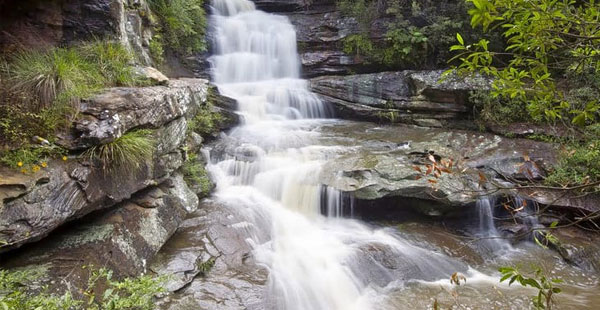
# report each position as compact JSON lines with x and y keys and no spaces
{"x":195,"y":175}
{"x":206,"y":122}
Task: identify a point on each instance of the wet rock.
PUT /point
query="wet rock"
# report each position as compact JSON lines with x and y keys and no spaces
{"x":69,"y":190}
{"x":212,"y":236}
{"x":111,"y":114}
{"x":383,"y":159}
{"x":123,"y":240}
{"x":417,"y":97}
{"x":578,"y":248}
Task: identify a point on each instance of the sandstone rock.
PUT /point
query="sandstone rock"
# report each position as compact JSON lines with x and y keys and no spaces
{"x":415,"y":97}
{"x":70,"y":190}
{"x":381,"y":165}
{"x":41,"y":23}
{"x":109,"y":115}
{"x":124,"y":240}
{"x":152,"y":74}
{"x":211,"y":236}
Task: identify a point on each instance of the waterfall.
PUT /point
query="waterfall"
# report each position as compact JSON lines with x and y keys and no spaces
{"x":268,"y":168}
{"x":487,"y":227}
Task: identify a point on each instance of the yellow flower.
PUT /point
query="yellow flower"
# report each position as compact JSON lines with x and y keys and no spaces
{"x":24,"y":171}
{"x":44,"y":165}
{"x":64,"y":158}
{"x":20,"y":164}
{"x":36,"y":168}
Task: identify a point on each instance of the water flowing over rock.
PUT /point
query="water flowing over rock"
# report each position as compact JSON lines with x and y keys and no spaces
{"x":268,"y":170}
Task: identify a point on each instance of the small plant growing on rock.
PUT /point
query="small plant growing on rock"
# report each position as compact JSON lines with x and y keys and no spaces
{"x":126,"y":152}
{"x":545,"y":286}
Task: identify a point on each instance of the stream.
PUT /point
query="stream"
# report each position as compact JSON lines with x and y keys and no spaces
{"x":316,"y":256}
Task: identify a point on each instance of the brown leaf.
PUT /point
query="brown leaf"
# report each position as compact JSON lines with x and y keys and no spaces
{"x":418,"y":169}
{"x":526,"y":157}
{"x":432,"y":181}
{"x":431,"y":158}
{"x":482,"y":176}
{"x":429,"y":168}
{"x":418,"y":177}
{"x":437,"y":175}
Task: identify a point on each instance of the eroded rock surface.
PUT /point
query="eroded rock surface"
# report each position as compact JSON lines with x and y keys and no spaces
{"x":423,"y":98}
{"x":381,"y":163}
{"x":123,"y":240}
{"x":210,"y":264}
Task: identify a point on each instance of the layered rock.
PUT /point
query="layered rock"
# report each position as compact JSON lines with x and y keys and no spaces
{"x":34,"y":205}
{"x":124,"y":239}
{"x":40,"y":24}
{"x":415,"y":97}
{"x":382,"y":164}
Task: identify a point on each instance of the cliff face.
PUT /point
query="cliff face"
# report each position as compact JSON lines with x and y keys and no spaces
{"x":39,"y":24}
{"x":117,"y":218}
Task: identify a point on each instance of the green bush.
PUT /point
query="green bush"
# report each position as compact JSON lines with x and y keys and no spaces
{"x":490,"y":110}
{"x":127,"y":152}
{"x":206,"y":122}
{"x":195,"y":175}
{"x":128,"y":294}
{"x":579,"y":163}
{"x":41,"y":90}
{"x":182,"y":25}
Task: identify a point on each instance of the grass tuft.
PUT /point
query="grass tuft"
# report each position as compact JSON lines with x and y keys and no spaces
{"x":127,"y":152}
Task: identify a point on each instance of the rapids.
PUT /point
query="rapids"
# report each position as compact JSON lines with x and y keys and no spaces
{"x":267,"y":170}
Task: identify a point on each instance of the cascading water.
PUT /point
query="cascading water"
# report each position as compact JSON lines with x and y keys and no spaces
{"x":487,"y":227}
{"x":267,"y":169}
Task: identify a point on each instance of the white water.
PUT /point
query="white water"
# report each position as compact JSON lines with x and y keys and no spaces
{"x":268,"y":170}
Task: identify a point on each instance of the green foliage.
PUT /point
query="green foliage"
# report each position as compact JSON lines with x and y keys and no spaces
{"x":127,"y":152}
{"x":43,"y":88}
{"x":496,"y":110}
{"x":112,"y":60}
{"x":28,"y":158}
{"x":128,"y":294}
{"x":404,"y":44}
{"x":206,"y":266}
{"x":156,"y":49}
{"x":195,"y":174}
{"x":579,"y":162}
{"x":546,"y":40}
{"x":206,"y":122}
{"x":358,"y":45}
{"x":182,"y":25}
{"x":545,"y":286}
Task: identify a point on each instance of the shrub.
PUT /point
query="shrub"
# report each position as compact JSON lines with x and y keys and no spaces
{"x":546,"y":40}
{"x":494,"y":110}
{"x":128,"y":294}
{"x":39,"y":79}
{"x":206,"y":122}
{"x":579,"y":163}
{"x":127,"y":152}
{"x":195,"y":174}
{"x":182,"y":24}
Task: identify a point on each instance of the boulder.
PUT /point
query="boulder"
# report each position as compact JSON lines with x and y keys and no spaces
{"x":37,"y":204}
{"x":382,"y":165}
{"x":152,"y":74}
{"x":109,"y":115}
{"x":424,"y":98}
{"x":123,"y":240}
